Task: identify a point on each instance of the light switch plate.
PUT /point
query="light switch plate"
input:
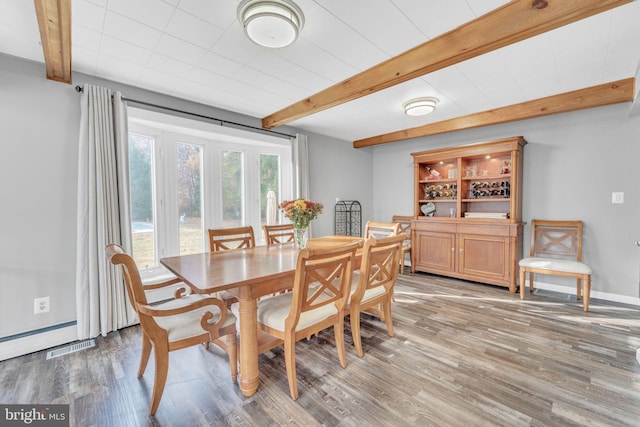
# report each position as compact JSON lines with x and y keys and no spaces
{"x":617,"y":198}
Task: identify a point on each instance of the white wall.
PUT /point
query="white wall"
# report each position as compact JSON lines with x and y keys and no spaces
{"x":38,"y":169}
{"x":339,"y":171}
{"x":572,"y":164}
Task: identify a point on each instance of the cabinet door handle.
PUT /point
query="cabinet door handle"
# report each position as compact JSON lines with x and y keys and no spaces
{"x":453,"y":249}
{"x":460,"y":250}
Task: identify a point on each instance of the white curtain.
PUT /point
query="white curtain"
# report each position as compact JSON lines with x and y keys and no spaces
{"x":301,"y":166}
{"x":103,"y":213}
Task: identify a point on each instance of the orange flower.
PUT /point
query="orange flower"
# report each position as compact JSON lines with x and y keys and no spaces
{"x":301,"y":211}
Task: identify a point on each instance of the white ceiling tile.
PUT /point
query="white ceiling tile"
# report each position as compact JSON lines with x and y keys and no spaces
{"x":389,"y":29}
{"x":206,"y":78}
{"x":218,"y":64}
{"x":222,"y":14}
{"x":193,"y":29}
{"x":198,"y":91}
{"x":157,"y":80}
{"x":92,"y":14}
{"x":179,"y":50}
{"x":85,"y":60}
{"x":436,"y":17}
{"x":116,"y":69}
{"x":305,"y":79}
{"x":168,"y":65}
{"x":101,"y":3}
{"x":85,"y":37}
{"x":358,"y":52}
{"x":313,"y":58}
{"x":482,"y":7}
{"x":491,"y":76}
{"x":19,"y":34}
{"x":21,"y":49}
{"x":125,"y":51}
{"x":268,"y":62}
{"x":541,"y":86}
{"x":127,"y":29}
{"x":233,"y":44}
{"x":154,"y":13}
{"x":621,"y":65}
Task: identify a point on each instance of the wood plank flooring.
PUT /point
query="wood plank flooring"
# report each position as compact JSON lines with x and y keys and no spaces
{"x":464,"y":354}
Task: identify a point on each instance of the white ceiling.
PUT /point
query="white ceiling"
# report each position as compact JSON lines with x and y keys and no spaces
{"x":197,"y":50}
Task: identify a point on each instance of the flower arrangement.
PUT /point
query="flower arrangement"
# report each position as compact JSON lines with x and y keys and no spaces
{"x":301,"y":211}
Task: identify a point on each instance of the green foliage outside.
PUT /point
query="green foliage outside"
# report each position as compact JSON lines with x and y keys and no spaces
{"x":190,"y":193}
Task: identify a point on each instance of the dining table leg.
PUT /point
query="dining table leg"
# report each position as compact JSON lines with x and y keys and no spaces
{"x":247,"y":309}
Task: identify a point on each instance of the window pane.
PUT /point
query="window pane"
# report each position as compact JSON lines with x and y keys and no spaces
{"x":269,"y":181}
{"x":142,"y":208}
{"x":189,"y":198}
{"x":232,"y":189}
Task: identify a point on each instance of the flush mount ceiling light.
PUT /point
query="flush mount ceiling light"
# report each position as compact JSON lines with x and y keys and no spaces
{"x":272,"y":23}
{"x":420,"y":106}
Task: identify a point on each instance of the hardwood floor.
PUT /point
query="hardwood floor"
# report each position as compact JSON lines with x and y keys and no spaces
{"x":464,"y":354}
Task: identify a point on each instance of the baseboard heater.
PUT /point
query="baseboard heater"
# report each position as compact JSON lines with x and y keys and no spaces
{"x":83,"y":345}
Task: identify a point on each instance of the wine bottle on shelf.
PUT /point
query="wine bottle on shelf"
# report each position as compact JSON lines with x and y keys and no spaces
{"x":432,"y":171}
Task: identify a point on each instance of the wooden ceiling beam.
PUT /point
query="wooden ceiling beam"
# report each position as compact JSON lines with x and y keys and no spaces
{"x":54,"y":22}
{"x":515,"y":21}
{"x":594,"y":96}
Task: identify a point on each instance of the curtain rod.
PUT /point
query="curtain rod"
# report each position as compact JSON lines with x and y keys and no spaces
{"x":79,"y":89}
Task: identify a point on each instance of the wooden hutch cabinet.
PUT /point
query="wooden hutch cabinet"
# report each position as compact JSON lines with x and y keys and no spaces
{"x":468,"y":211}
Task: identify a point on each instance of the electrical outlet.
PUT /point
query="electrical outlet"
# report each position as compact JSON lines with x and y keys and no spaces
{"x":41,"y":305}
{"x":617,"y":198}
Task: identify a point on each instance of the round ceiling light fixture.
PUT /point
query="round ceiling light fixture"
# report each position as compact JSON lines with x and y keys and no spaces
{"x":272,"y":23}
{"x":420,"y":106}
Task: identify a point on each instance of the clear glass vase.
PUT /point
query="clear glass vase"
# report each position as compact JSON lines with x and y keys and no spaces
{"x":300,"y":236}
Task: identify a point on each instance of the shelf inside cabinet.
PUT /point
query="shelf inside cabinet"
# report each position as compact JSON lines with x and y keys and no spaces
{"x":485,"y":199}
{"x":438,"y":181}
{"x":486,"y":177}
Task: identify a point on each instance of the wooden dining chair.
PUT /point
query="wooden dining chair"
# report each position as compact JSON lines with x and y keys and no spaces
{"x":182,"y":322}
{"x":321,"y":287}
{"x":381,"y":229}
{"x":226,"y":239}
{"x":405,"y":227}
{"x":277,"y":234}
{"x":373,"y":285}
{"x":556,"y":249}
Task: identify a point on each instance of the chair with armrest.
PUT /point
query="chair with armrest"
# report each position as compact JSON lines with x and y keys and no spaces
{"x":182,"y":322}
{"x":277,"y":234}
{"x":321,"y":287}
{"x":556,"y":249}
{"x":373,"y":285}
{"x":405,"y":227}
{"x":381,"y":229}
{"x":226,"y":239}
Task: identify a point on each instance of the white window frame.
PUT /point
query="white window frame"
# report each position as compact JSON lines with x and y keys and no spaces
{"x":167,"y":131}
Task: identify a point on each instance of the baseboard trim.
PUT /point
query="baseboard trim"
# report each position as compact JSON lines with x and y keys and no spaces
{"x":37,"y":342}
{"x":594,"y":294}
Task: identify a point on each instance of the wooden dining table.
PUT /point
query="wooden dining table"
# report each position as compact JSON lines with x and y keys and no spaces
{"x":248,"y":274}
